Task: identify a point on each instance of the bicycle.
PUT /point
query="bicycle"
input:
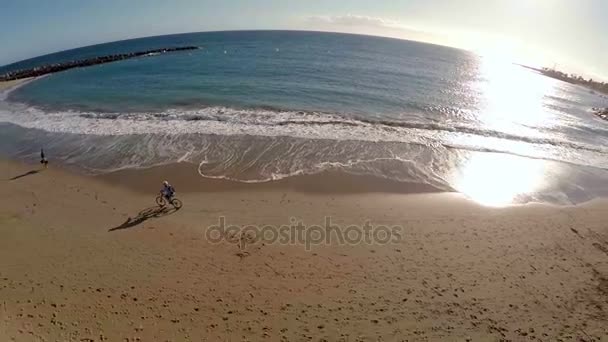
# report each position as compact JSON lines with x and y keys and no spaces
{"x":162,"y":201}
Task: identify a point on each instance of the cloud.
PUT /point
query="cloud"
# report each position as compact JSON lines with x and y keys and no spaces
{"x":361,"y":24}
{"x":355,"y":20}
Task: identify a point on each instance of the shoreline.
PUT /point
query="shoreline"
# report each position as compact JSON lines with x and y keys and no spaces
{"x":186,"y":178}
{"x":68,"y":144}
{"x":89,"y":258}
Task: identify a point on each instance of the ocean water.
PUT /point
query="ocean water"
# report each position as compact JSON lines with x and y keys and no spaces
{"x":256,"y":106}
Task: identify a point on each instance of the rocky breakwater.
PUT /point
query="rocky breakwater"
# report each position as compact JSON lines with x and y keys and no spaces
{"x":52,"y":68}
{"x":601,"y":113}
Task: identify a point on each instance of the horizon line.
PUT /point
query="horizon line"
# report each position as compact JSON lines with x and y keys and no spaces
{"x":604,"y":78}
{"x":236,"y":30}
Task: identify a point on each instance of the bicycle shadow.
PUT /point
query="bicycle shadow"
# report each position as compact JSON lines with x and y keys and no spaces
{"x":144,"y":215}
{"x":29,"y":173}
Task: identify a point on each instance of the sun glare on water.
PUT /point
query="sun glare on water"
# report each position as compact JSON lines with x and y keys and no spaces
{"x":495,"y":179}
{"x":512,"y":97}
{"x":510,"y":106}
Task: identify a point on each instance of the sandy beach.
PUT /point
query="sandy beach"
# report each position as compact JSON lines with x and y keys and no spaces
{"x":94,"y":259}
{"x":10,"y":84}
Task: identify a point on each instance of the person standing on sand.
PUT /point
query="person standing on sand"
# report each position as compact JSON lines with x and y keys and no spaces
{"x":43,"y":160}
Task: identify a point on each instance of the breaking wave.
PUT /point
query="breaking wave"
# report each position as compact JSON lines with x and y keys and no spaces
{"x":266,"y":144}
{"x":265,"y":122}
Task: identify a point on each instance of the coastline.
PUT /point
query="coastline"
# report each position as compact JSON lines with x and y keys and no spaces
{"x":141,"y":139}
{"x":78,"y":263}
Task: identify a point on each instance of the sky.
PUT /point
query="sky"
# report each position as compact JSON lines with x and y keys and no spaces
{"x":569,"y":34}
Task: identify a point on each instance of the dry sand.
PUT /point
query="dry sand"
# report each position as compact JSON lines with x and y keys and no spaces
{"x":460,"y":272}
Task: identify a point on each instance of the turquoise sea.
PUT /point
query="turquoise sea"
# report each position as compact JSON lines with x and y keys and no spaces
{"x":256,"y":106}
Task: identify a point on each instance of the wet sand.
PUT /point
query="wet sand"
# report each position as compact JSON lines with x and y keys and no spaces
{"x":93,"y":259}
{"x":185,"y":177}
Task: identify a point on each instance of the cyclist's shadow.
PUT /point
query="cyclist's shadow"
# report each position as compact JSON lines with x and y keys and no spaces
{"x":144,"y":215}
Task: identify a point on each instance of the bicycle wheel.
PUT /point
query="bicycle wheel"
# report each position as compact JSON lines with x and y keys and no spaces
{"x":176,"y":203}
{"x":160,"y":200}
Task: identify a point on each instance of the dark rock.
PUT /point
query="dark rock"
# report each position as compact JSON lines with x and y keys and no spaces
{"x":601,"y":113}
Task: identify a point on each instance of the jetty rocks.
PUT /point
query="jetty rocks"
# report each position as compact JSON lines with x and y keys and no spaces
{"x":52,"y":68}
{"x":601,"y":113}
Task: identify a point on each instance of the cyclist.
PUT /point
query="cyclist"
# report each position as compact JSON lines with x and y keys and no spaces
{"x":167,"y":191}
